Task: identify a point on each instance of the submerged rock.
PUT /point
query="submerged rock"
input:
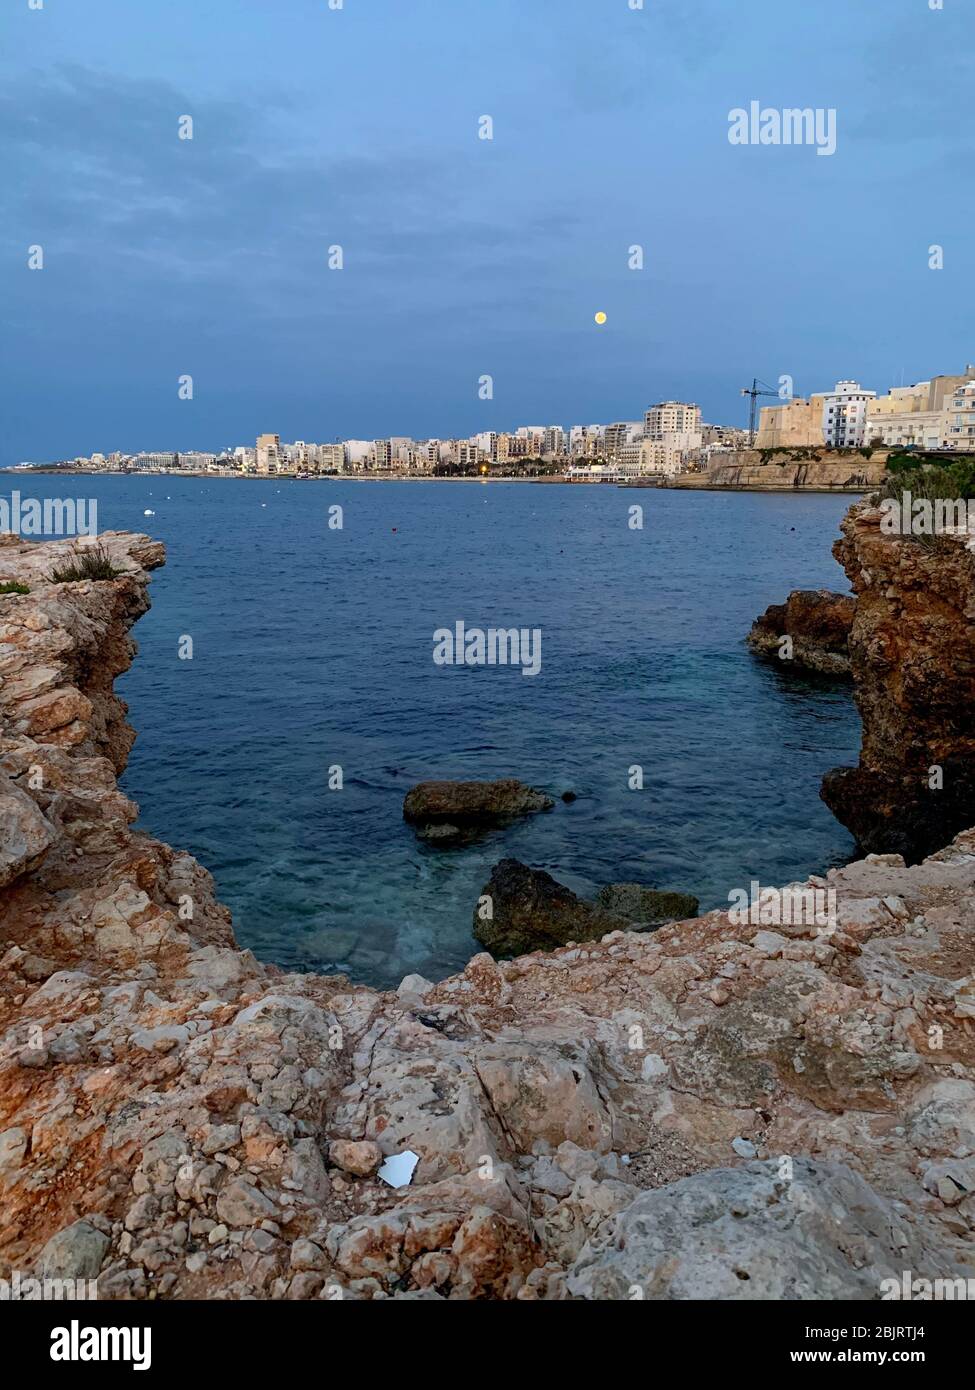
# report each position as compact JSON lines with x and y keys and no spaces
{"x":522,"y":909}
{"x":816,"y":625}
{"x":645,"y":909}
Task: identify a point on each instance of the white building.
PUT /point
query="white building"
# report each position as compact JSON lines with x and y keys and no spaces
{"x":959,"y":423}
{"x":845,"y":415}
{"x":358,"y":453}
{"x":672,"y":417}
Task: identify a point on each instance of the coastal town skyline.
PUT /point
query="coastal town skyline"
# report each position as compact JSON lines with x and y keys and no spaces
{"x":667,"y":438}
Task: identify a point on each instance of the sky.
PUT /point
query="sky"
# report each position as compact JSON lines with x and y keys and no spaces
{"x":463,"y":257}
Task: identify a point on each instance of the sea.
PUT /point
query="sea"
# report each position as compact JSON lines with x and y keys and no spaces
{"x":286,"y":696}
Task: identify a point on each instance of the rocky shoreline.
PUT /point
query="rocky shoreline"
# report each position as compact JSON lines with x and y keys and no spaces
{"x":912,"y":657}
{"x":719,"y":1109}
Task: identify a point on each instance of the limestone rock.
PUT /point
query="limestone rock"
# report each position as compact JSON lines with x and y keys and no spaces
{"x":912,"y":654}
{"x":76,"y":1252}
{"x":25,"y":834}
{"x":527,"y":910}
{"x":447,"y":810}
{"x":818,"y":624}
{"x":744,"y":1233}
{"x":361,"y":1158}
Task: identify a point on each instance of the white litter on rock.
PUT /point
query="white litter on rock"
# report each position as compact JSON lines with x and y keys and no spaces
{"x":398,"y":1168}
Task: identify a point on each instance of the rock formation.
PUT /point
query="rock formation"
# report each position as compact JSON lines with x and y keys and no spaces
{"x":912,"y":651}
{"x":817,"y":624}
{"x":448,"y":811}
{"x":522,"y":909}
{"x":709,"y":1111}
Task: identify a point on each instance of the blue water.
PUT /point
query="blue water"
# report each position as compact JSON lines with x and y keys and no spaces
{"x":313,"y":647}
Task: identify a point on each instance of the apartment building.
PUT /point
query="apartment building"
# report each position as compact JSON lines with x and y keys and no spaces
{"x":922,"y":416}
{"x":617,"y":435}
{"x":845,"y":415}
{"x":672,"y":417}
{"x":267,"y":453}
{"x":959,"y":424}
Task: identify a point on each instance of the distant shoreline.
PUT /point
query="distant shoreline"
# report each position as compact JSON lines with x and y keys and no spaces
{"x":636,"y":483}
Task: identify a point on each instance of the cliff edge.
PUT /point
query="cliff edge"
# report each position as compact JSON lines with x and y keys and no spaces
{"x":766,"y":1109}
{"x":912,"y":654}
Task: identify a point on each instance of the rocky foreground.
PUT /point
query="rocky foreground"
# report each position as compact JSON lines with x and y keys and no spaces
{"x":716,"y":1109}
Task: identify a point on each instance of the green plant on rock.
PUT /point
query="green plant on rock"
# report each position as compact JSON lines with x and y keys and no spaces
{"x":94,"y":562}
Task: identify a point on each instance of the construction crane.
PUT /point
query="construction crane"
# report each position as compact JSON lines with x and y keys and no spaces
{"x":755,"y":392}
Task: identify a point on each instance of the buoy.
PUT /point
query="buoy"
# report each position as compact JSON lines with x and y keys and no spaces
{"x":147,"y":512}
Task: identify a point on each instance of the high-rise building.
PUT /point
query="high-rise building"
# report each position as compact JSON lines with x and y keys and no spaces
{"x":845,"y":414}
{"x":671,"y":417}
{"x":267,"y":453}
{"x":553,"y":441}
{"x":620,"y":433}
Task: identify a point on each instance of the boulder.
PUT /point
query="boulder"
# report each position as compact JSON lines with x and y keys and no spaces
{"x":25,"y":834}
{"x":646,"y":909}
{"x":751,"y":1233}
{"x":445,"y":811}
{"x":817,"y":622}
{"x":522,"y":909}
{"x":76,"y":1252}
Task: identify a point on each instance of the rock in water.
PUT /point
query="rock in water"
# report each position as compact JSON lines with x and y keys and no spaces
{"x":522,"y":909}
{"x":817,"y":624}
{"x":443,"y":811}
{"x":645,"y":909}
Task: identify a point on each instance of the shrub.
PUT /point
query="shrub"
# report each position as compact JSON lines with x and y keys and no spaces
{"x":93,"y":562}
{"x":10,"y":586}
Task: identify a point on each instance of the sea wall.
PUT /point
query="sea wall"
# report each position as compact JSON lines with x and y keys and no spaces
{"x":912,"y":654}
{"x":792,"y":470}
{"x":720,"y":1109}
